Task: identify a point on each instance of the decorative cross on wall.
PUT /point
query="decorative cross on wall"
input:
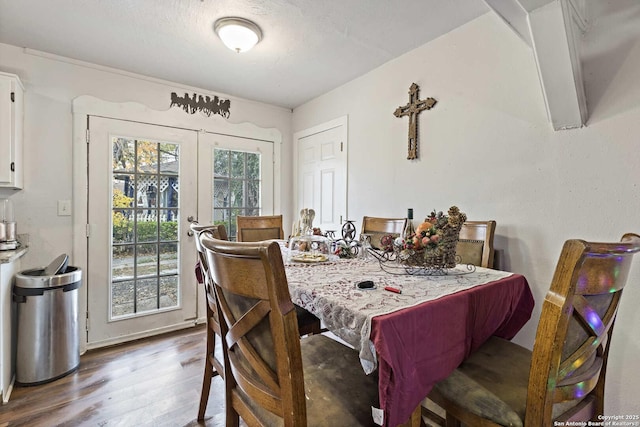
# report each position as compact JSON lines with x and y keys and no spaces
{"x":412,"y":109}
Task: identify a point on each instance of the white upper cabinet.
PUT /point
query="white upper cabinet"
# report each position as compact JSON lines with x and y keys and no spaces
{"x":11,"y":128}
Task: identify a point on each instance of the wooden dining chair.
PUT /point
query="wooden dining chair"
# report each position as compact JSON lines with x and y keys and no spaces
{"x":377,"y":227}
{"x":258,"y":228}
{"x":563,"y":378}
{"x":475,"y":245}
{"x":213,"y":364}
{"x":273,"y":377}
{"x":308,"y":323}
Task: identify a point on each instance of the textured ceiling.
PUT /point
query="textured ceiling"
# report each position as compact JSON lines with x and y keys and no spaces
{"x":309,"y":46}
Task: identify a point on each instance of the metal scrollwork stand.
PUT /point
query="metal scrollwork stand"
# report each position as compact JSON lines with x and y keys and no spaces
{"x":391,"y":262}
{"x":347,"y":246}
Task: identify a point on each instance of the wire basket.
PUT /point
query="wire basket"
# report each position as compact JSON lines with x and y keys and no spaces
{"x":433,"y":257}
{"x":441,"y":256}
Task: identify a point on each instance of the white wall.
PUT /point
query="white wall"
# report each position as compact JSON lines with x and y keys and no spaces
{"x":51,"y":83}
{"x":488,"y":148}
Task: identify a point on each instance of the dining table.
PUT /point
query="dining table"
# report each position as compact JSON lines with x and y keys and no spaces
{"x":414,"y":328}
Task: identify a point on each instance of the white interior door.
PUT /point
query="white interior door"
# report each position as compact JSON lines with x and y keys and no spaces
{"x":236,"y":177}
{"x":142,"y":188}
{"x":322,"y":173}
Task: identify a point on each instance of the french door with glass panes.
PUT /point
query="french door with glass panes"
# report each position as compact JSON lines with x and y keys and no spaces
{"x":146,"y":183}
{"x":142,"y":188}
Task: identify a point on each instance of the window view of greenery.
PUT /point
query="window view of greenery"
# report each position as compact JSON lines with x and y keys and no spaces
{"x":236,"y":187}
{"x":144,"y":256}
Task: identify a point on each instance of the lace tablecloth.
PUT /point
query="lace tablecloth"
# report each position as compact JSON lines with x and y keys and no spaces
{"x":328,"y":290}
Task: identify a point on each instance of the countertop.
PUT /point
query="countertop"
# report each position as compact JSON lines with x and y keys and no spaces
{"x":10,"y":256}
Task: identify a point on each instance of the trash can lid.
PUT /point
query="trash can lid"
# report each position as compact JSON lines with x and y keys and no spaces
{"x":57,"y":266}
{"x":35,"y":278}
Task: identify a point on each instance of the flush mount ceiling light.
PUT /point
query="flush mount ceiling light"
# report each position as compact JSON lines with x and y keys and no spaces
{"x":237,"y":34}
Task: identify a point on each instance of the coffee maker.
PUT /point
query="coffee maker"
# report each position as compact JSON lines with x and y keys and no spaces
{"x":8,"y":241}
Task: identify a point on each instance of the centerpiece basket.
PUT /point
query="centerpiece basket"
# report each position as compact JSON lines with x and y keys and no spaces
{"x":431,"y":250}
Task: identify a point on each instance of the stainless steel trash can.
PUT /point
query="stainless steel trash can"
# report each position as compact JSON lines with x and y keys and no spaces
{"x":47,"y":325}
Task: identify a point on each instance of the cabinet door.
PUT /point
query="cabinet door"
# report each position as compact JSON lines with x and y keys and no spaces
{"x":11,"y":121}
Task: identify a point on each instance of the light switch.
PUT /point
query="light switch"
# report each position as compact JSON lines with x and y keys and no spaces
{"x":64,"y":207}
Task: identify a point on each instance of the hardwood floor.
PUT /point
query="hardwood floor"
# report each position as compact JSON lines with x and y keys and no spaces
{"x":150,"y":382}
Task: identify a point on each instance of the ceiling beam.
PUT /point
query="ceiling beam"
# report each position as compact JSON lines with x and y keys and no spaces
{"x":553,"y":29}
{"x":514,"y":15}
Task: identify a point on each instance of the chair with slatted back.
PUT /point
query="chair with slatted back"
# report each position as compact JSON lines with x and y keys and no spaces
{"x":273,"y":377}
{"x":267,"y":227}
{"x":213,"y":360}
{"x":258,"y":228}
{"x":563,"y":378}
{"x":475,"y":245}
{"x":377,"y":227}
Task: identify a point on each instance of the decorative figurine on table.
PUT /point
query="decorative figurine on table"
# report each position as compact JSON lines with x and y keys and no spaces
{"x":348,"y":231}
{"x":306,"y":219}
{"x":347,"y":247}
{"x":304,"y":223}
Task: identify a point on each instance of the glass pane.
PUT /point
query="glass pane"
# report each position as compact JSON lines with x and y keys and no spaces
{"x":221,"y":163}
{"x":122,"y":298}
{"x":232,"y":222}
{"x":232,"y":230}
{"x":169,"y":225}
{"x":146,"y":294}
{"x":147,"y":228}
{"x":168,"y":258}
{"x":237,"y":193}
{"x":221,"y":215}
{"x":123,"y":191}
{"x":253,"y":194}
{"x":123,"y":155}
{"x":253,"y":165}
{"x":169,"y":186}
{"x":147,"y":260}
{"x":169,"y":159}
{"x":147,"y":154}
{"x":147,"y":191}
{"x":123,"y":226}
{"x":126,"y":186}
{"x":122,"y":262}
{"x":214,"y":213}
{"x":220,"y":193}
{"x":168,"y":291}
{"x":237,"y":164}
{"x":252,"y":212}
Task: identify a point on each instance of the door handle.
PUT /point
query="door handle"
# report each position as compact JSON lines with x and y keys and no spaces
{"x":191,"y":220}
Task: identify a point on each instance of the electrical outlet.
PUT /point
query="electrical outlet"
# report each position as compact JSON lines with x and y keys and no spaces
{"x":64,"y":207}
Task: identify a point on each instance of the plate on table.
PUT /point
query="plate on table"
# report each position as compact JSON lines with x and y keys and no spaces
{"x":311,"y":258}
